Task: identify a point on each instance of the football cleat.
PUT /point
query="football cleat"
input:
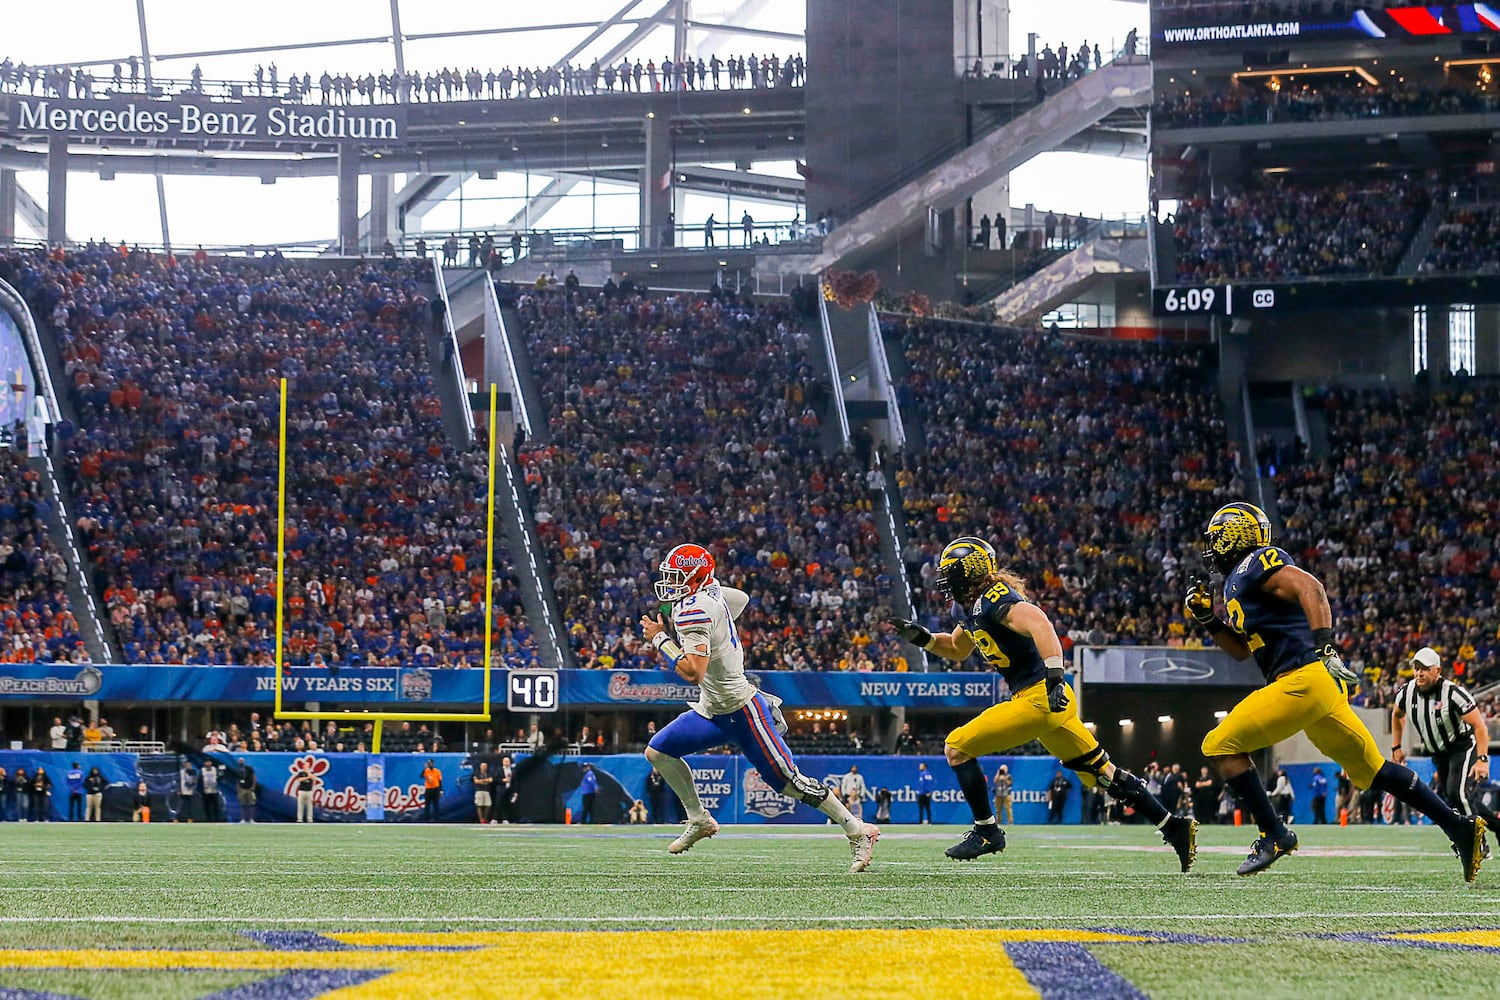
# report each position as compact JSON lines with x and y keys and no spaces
{"x":1470,"y":846}
{"x":698,"y":829}
{"x":1182,"y":833}
{"x":1265,"y":851}
{"x":864,"y":847}
{"x":977,"y":843}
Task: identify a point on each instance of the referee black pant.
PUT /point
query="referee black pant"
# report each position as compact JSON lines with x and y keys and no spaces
{"x":1451,"y":778}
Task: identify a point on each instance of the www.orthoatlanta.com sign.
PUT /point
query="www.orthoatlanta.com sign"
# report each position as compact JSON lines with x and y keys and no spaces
{"x":184,"y":120}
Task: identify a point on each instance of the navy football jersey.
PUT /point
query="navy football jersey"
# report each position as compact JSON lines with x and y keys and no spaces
{"x":1275,"y":630}
{"x":1011,"y":653}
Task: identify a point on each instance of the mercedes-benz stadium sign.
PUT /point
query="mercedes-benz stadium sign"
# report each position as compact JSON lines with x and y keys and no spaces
{"x":196,"y":119}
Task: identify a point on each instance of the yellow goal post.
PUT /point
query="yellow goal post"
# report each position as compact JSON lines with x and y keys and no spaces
{"x":380,"y":717}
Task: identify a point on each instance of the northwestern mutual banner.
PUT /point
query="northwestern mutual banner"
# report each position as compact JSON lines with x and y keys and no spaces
{"x":353,"y":687}
{"x":1160,"y":665}
{"x":195,"y":118}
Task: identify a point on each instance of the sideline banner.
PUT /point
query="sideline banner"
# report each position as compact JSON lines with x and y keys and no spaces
{"x":356,"y":686}
{"x":344,"y":790}
{"x":1301,"y":776}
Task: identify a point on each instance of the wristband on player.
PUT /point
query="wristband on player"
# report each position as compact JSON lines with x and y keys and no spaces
{"x":1323,"y":638}
{"x":1055,"y":667}
{"x":667,"y":647}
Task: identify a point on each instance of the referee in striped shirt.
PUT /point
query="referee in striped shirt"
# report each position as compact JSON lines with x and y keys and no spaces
{"x":1449,"y":726}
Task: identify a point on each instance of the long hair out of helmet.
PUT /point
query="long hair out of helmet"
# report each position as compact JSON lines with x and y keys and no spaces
{"x":967,"y":565}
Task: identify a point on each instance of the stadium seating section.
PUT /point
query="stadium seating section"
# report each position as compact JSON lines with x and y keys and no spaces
{"x":1398,"y":521}
{"x":690,"y":418}
{"x":174,"y":373}
{"x":1468,"y":240}
{"x":1092,"y":465}
{"x":1354,"y":228}
{"x":1315,"y":104}
{"x":36,"y":622}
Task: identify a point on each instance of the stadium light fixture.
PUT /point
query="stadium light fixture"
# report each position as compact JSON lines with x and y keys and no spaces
{"x":1360,"y":71}
{"x":1163,"y":718}
{"x":1221,"y":714}
{"x":379,"y":718}
{"x":1126,"y":723}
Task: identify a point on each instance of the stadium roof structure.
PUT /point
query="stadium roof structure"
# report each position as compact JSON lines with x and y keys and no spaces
{"x":226,"y":124}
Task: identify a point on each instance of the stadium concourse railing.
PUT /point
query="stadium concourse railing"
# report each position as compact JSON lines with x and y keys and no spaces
{"x":826,"y":330}
{"x":455,"y":362}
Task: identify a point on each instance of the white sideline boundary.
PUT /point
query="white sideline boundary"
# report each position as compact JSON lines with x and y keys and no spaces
{"x":1042,"y":920}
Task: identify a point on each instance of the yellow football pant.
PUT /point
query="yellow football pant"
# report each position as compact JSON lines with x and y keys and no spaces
{"x":1306,"y":700}
{"x":1024,"y":718}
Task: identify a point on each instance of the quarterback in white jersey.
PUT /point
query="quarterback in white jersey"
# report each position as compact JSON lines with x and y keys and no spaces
{"x":708,"y":653}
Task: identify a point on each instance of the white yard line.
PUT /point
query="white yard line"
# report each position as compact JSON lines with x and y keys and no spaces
{"x":658,"y":920}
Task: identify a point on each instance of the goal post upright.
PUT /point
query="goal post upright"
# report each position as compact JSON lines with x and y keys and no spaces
{"x":380,"y":717}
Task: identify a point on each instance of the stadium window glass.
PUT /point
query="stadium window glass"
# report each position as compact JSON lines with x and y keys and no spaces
{"x":1461,"y":338}
{"x":1418,"y":339}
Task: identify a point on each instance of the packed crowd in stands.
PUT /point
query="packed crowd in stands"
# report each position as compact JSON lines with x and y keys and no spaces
{"x":1467,"y":240}
{"x":36,"y":622}
{"x":1399,"y":522}
{"x":173,"y":367}
{"x":1344,"y":229}
{"x":738,"y":72}
{"x":1317,"y":104}
{"x":1092,"y":465}
{"x":696,"y":418}
{"x":256,"y":736}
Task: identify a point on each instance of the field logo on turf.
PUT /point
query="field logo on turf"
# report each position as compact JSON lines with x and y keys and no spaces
{"x":1053,"y":963}
{"x":762,"y":799}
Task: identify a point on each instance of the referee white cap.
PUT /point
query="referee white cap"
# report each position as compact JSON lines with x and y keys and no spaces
{"x":1426,"y":657}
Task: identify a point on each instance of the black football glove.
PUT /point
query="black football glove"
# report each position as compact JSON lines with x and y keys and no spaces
{"x":1057,"y":694}
{"x":911,"y":632}
{"x":1199,"y":606}
{"x":1329,"y":654}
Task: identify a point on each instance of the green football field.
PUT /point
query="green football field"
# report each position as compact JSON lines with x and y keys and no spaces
{"x":279,"y":911}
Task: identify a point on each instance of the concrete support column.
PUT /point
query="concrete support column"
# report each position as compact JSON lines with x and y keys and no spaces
{"x":7,"y":207}
{"x":348,"y":197}
{"x":382,"y":225}
{"x":657,"y":184}
{"x":57,"y":189}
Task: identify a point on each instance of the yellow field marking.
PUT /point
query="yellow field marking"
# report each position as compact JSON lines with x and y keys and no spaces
{"x":745,"y":964}
{"x":380,"y":717}
{"x":1481,"y":939}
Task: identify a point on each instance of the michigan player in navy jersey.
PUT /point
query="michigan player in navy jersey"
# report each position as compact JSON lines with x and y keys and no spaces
{"x":1015,"y":637}
{"x":1279,"y":614}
